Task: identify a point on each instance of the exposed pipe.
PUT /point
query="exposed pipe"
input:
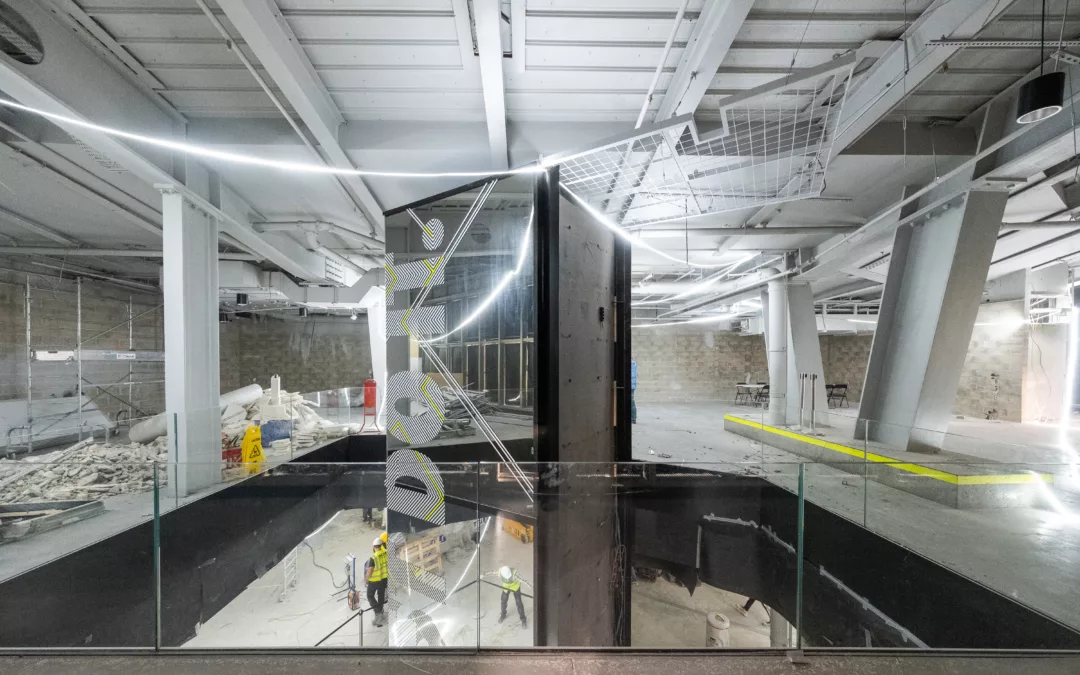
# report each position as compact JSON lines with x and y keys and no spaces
{"x":660,"y":65}
{"x":315,"y":226}
{"x":232,"y":46}
{"x":1042,"y":225}
{"x":314,"y":245}
{"x":108,"y":252}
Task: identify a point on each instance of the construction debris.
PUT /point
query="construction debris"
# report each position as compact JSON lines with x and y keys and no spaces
{"x":89,"y":470}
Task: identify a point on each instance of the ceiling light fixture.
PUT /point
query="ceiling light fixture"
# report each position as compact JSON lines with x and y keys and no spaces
{"x":1043,"y":96}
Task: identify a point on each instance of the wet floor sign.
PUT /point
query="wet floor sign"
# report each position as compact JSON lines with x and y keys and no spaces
{"x":251,"y":450}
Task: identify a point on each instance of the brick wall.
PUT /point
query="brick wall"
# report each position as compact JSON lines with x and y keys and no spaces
{"x":314,"y":354}
{"x":688,"y":363}
{"x":844,"y":359}
{"x":53,"y":326}
{"x":991,"y":383}
{"x":311,"y":355}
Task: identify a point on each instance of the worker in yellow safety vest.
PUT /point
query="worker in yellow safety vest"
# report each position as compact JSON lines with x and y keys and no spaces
{"x":376,"y":575}
{"x":511,"y":583}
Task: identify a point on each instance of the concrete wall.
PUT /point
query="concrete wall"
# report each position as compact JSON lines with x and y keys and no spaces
{"x":693,"y":363}
{"x":581,"y":584}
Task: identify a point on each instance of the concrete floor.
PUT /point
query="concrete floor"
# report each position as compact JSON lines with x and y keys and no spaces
{"x":1031,"y":555}
{"x":665,"y":616}
{"x":312,"y":610}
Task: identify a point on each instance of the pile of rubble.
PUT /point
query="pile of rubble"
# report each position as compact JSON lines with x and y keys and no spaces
{"x":85,"y":471}
{"x":89,"y":470}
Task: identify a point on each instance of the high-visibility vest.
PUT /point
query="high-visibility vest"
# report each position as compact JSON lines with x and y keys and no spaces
{"x":378,"y":572}
{"x":514,"y":584}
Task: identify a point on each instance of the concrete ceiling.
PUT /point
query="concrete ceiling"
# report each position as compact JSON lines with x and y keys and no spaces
{"x":400,"y":85}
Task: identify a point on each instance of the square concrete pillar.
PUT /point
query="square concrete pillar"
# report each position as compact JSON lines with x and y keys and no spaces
{"x":192,"y":384}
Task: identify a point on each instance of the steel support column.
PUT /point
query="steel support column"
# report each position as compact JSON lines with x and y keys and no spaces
{"x":192,"y":385}
{"x":803,"y":357}
{"x":928,"y":310}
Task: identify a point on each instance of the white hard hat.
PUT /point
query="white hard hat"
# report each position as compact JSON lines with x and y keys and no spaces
{"x":505,"y":572}
{"x":378,"y":541}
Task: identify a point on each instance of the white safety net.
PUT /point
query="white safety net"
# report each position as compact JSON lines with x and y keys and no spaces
{"x":767,"y":148}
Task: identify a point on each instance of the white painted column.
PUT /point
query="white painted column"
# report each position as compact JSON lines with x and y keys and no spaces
{"x":777,"y":331}
{"x":192,"y":378}
{"x":804,"y":357}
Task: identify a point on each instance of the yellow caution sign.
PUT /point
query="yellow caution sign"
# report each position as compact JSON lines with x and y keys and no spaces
{"x":251,"y":451}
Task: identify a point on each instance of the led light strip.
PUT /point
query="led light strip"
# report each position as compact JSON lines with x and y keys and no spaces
{"x":300,"y":167}
{"x":499,"y":287}
{"x":634,"y":241}
{"x":697,"y":288}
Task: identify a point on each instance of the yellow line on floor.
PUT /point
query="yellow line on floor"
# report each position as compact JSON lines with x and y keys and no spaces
{"x":954,"y":479}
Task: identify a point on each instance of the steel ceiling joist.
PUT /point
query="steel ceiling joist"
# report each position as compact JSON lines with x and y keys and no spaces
{"x":911,"y":61}
{"x":270,"y":37}
{"x":712,"y":37}
{"x":487,"y":15}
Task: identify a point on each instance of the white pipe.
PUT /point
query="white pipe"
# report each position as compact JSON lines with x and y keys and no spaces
{"x":660,"y":65}
{"x":157,"y":426}
{"x":777,"y":338}
{"x":315,"y":226}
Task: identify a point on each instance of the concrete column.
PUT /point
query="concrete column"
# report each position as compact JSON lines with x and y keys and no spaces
{"x":776,"y":332}
{"x":803,"y":356}
{"x":932,"y":292}
{"x":192,"y":385}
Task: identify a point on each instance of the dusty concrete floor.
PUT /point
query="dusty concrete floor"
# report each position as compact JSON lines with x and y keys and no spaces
{"x":312,"y":610}
{"x":665,"y":616}
{"x":1031,"y":555}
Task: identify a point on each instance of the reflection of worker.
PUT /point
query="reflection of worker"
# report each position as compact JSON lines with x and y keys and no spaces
{"x":511,"y":583}
{"x":426,"y":629}
{"x":375,"y":574}
{"x":633,"y":387}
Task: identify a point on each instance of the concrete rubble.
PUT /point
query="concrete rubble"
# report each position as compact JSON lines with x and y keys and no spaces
{"x":89,"y":470}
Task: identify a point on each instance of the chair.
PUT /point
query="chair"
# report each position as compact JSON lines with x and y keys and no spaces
{"x":837,"y":395}
{"x":742,"y":395}
{"x":762,"y":398}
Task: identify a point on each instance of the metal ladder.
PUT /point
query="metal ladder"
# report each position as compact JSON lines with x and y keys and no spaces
{"x":289,"y":569}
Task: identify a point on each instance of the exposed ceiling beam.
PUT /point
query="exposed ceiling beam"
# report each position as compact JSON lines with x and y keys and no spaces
{"x":910,"y":62}
{"x":35,"y":227}
{"x":111,"y":97}
{"x":488,"y":21}
{"x":713,"y":34}
{"x":271,"y":38}
{"x":106,"y":252}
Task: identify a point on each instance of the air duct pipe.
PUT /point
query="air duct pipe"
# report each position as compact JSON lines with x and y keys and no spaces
{"x":314,"y":245}
{"x":316,"y":226}
{"x":107,"y":252}
{"x":776,"y":339}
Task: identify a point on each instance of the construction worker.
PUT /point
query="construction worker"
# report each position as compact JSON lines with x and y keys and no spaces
{"x":511,"y":583}
{"x":376,"y":575}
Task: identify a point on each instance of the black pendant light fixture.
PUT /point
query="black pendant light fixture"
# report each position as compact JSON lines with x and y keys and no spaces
{"x":1045,"y":95}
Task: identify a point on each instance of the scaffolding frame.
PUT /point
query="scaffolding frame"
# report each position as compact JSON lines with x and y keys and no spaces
{"x":41,"y":359}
